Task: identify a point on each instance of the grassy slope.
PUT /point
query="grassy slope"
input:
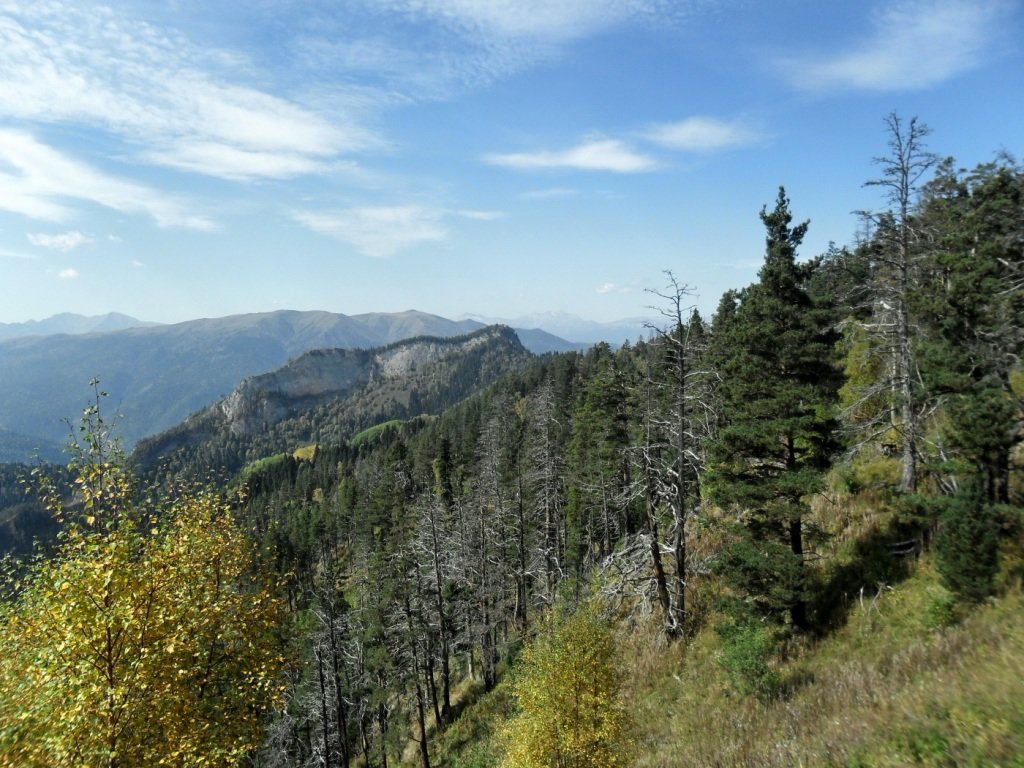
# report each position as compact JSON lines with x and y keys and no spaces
{"x":888,"y":689}
{"x":901,"y":682}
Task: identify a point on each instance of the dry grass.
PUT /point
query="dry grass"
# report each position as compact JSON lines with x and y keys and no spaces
{"x":886,"y":690}
{"x":899,"y":680}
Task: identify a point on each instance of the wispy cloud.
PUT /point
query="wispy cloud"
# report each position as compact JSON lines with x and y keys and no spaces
{"x":176,"y":104}
{"x":912,"y":45}
{"x":592,"y":155}
{"x":9,"y":254}
{"x":548,"y":19}
{"x":614,"y":288}
{"x":702,"y":134}
{"x":465,"y":44}
{"x":65,"y":241}
{"x":383,"y":231}
{"x":45,"y":179}
{"x":548,"y":194}
{"x":478,"y":215}
{"x":68,"y":274}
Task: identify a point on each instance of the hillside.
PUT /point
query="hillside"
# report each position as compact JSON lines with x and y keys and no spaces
{"x":15,"y":448}
{"x":329,"y":395}
{"x":895,"y":670}
{"x":158,"y":375}
{"x":904,"y":681}
{"x":792,"y":535}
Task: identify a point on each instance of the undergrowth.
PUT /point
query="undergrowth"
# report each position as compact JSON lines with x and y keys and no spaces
{"x":893,"y":687}
{"x":901,"y":674}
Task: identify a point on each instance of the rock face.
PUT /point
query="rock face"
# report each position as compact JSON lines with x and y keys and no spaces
{"x":302,"y":383}
{"x":323,"y":376}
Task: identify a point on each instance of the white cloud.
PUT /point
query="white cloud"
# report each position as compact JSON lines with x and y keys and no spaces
{"x":68,"y":274}
{"x":465,"y":44}
{"x":65,"y":241}
{"x":548,"y":194}
{"x":478,"y":215}
{"x":592,"y":155}
{"x":549,"y":19}
{"x":44,"y":179}
{"x":8,"y":254}
{"x":378,"y":232}
{"x":913,"y":45}
{"x":702,"y":134}
{"x":232,"y":163}
{"x":613,"y":288}
{"x":383,"y":231}
{"x":68,"y":63}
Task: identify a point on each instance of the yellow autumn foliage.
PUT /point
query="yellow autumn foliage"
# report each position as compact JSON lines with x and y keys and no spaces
{"x":571,"y":714}
{"x":142,"y":642}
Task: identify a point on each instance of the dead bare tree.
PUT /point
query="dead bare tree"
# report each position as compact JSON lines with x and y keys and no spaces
{"x":677,"y":423}
{"x":899,"y":239}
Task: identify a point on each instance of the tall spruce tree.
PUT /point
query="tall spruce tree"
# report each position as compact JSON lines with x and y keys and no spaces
{"x":777,"y":395}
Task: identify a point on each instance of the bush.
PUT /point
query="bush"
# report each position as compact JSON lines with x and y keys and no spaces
{"x":940,"y":612}
{"x":747,"y":647}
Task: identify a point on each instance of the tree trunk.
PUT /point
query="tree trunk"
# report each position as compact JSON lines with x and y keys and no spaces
{"x":324,"y":717}
{"x":798,"y":610}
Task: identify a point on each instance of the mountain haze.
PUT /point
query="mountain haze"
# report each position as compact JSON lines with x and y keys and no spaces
{"x":158,"y":375}
{"x":68,"y":322}
{"x":578,"y":330}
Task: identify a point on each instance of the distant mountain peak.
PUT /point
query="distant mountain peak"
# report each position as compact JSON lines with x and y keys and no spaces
{"x":574,"y":328}
{"x":71,"y":323}
{"x":158,"y":375}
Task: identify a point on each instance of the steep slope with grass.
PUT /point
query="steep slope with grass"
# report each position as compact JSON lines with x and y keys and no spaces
{"x":904,"y":676}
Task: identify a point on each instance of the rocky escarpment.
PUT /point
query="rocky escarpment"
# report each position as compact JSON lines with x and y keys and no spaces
{"x":301,"y":384}
{"x":319,"y":377}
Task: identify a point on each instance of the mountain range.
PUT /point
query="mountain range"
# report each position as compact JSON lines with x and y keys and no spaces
{"x":327,"y":396}
{"x":156,"y":375}
{"x":569,"y":326}
{"x":68,"y":322}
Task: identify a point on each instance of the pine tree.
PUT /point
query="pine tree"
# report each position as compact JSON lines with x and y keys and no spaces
{"x":774,"y":351}
{"x":968,"y":545}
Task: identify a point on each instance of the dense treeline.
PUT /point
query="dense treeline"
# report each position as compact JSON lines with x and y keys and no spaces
{"x":681,"y":476}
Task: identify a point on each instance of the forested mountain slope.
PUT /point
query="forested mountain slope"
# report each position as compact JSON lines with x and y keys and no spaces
{"x":326,"y":396}
{"x":795,"y":531}
{"x":158,"y":375}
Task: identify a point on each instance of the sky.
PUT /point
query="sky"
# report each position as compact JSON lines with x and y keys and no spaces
{"x":501,"y":158}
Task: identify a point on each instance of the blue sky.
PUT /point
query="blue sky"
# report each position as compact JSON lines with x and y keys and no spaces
{"x":498,"y":157}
